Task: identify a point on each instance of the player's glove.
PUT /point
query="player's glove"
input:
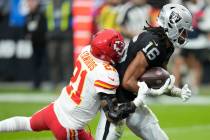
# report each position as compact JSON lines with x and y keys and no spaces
{"x":169,"y":84}
{"x":184,"y":93}
{"x":143,"y":90}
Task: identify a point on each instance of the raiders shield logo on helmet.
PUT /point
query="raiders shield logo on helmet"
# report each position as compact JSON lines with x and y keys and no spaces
{"x":174,"y":17}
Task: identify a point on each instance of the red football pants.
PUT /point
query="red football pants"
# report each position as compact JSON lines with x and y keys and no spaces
{"x":46,"y":119}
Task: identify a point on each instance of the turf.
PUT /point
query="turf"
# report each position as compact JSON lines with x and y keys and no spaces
{"x":181,"y":122}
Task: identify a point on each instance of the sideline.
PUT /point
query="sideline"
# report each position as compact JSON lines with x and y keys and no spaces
{"x":46,"y":98}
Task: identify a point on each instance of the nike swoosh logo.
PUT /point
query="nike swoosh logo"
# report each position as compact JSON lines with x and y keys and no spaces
{"x":155,"y":43}
{"x":111,"y":78}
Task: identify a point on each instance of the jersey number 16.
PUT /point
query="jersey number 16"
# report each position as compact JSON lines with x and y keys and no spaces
{"x":151,"y":53}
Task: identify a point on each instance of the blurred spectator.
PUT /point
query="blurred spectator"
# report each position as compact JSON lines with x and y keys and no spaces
{"x":98,"y":4}
{"x":4,"y":8}
{"x":107,"y":15}
{"x":12,"y":28}
{"x":176,"y":1}
{"x":158,"y":3}
{"x":134,"y":17}
{"x":195,"y":52}
{"x":36,"y":29}
{"x":17,"y":19}
{"x":59,"y":37}
{"x":4,"y":12}
{"x":154,"y":11}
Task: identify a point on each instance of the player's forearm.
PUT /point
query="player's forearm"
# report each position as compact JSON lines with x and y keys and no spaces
{"x":131,"y":85}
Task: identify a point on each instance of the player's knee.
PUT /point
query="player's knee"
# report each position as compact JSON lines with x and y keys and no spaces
{"x":152,"y":131}
{"x":135,"y":124}
{"x":148,"y":129}
{"x":140,"y":118}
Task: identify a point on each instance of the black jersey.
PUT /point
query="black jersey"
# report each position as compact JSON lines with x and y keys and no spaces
{"x":155,"y":51}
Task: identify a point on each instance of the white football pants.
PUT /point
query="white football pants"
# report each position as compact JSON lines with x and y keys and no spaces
{"x":142,"y":123}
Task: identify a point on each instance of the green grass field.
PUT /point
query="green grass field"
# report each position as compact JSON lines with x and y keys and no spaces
{"x":181,"y":122}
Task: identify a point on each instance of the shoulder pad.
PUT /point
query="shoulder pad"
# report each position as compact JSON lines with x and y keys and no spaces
{"x":107,"y":79}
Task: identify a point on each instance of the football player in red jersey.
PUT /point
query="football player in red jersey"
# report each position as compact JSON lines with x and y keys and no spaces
{"x":92,"y":86}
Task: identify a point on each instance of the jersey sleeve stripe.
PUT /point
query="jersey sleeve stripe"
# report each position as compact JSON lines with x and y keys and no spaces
{"x":105,"y":85}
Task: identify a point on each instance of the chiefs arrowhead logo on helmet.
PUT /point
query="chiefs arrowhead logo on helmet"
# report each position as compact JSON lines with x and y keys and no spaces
{"x":108,"y":45}
{"x":117,"y":46}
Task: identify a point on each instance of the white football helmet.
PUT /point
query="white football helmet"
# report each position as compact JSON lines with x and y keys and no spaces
{"x":177,"y":21}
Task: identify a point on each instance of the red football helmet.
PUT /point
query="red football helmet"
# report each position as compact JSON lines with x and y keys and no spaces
{"x":108,"y":45}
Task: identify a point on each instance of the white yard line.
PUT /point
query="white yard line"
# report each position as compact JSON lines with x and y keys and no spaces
{"x":46,"y":97}
{"x":194,"y":100}
{"x":185,"y":129}
{"x":31,"y":97}
{"x":188,"y":128}
{"x":50,"y":138}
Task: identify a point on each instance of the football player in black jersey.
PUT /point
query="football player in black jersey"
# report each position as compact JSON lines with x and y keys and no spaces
{"x":151,"y":48}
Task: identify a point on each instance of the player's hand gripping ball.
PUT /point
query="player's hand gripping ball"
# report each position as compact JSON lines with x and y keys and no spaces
{"x":155,"y":77}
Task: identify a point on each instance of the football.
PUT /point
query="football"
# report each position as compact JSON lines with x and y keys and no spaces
{"x":155,"y":77}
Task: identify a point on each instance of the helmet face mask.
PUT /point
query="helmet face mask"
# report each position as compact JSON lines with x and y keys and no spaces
{"x":182,"y":38}
{"x":177,"y":21}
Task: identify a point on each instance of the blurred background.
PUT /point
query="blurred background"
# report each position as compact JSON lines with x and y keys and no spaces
{"x":40,"y":39}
